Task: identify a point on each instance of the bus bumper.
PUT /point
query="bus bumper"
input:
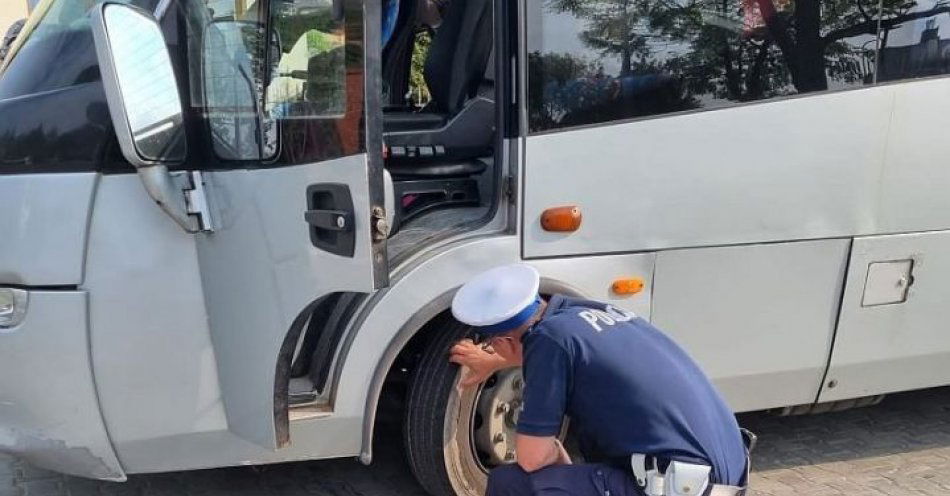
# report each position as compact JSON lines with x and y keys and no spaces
{"x":49,"y":408}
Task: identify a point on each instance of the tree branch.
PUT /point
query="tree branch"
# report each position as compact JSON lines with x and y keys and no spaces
{"x":864,"y":13}
{"x":870,"y":27}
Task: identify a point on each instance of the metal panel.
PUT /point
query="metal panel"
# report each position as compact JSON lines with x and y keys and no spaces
{"x":802,"y":168}
{"x":759,"y":318}
{"x":151,"y":345}
{"x":313,"y":439}
{"x":43,"y":221}
{"x":155,"y":364}
{"x":259,"y":271}
{"x":913,"y":189}
{"x":49,"y":412}
{"x":886,"y":348}
{"x":887,"y":283}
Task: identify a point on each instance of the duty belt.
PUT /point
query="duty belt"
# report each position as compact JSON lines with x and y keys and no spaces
{"x":685,"y":479}
{"x":680,"y":479}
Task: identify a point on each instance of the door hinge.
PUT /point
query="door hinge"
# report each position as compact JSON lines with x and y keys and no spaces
{"x":381,"y":226}
{"x":508,"y":189}
{"x":196,"y":201}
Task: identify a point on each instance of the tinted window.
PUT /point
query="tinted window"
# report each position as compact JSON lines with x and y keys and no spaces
{"x":259,"y":92}
{"x":309,"y":80}
{"x":600,"y":60}
{"x":59,"y":52}
{"x":915,"y":40}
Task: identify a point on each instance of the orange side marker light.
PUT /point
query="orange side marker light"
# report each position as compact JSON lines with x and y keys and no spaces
{"x":629,"y":286}
{"x":561,"y":219}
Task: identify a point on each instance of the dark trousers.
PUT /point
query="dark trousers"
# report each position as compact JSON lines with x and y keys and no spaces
{"x":562,"y":480}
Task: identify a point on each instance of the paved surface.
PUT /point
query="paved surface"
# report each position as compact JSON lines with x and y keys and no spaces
{"x":898,"y":448}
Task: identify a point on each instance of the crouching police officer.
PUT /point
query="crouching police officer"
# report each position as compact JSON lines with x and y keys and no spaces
{"x":641,"y":406}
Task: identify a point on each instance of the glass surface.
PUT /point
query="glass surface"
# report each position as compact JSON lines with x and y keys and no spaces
{"x":57,"y":52}
{"x":309,"y":77}
{"x":915,"y":40}
{"x":146,"y":80}
{"x":249,"y":84}
{"x":233,"y":82}
{"x":594,"y":61}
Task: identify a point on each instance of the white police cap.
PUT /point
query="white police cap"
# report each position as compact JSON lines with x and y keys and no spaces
{"x":498,"y":300}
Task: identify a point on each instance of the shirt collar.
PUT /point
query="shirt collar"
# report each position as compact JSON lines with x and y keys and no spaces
{"x":557,"y":301}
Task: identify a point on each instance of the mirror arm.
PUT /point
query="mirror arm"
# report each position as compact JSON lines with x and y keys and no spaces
{"x":169,"y":196}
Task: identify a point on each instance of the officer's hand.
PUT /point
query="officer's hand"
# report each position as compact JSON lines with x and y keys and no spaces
{"x":478,"y":363}
{"x":509,"y":349}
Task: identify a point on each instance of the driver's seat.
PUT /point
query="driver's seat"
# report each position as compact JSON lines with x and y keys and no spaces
{"x":458,"y":56}
{"x":457,"y":120}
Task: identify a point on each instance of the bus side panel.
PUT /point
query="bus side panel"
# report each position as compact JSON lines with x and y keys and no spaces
{"x":913,"y":189}
{"x":43,"y":223}
{"x":792,"y":169}
{"x":759,"y":319}
{"x":894,"y":331}
{"x":151,"y":346}
{"x":155,"y":365}
{"x":49,"y":412}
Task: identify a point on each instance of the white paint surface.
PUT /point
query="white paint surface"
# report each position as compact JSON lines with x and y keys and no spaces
{"x":829,"y":165}
{"x":759,"y":319}
{"x":887,"y":348}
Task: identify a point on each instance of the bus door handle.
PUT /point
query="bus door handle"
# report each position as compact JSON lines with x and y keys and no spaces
{"x":330,"y":218}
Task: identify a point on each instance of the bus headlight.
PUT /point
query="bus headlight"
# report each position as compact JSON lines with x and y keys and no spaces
{"x":13,"y":304}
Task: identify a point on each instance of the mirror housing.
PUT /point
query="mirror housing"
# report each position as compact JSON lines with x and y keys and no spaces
{"x":146,"y":107}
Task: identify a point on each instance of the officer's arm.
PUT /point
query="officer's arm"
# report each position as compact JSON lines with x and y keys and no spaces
{"x":535,"y":453}
{"x":547,"y":375}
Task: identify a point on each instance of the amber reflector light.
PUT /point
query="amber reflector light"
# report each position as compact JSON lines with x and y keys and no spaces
{"x":628,"y":286}
{"x":561,"y":219}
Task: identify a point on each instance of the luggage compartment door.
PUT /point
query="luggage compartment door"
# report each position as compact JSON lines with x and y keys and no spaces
{"x":892,"y":333}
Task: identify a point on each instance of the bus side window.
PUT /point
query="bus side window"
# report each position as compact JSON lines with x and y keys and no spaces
{"x":605,"y":60}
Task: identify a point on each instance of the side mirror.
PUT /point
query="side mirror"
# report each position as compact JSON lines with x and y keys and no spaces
{"x":144,"y":102}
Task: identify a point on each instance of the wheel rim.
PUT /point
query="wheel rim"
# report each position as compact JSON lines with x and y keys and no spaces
{"x":496,"y":417}
{"x":479,"y":430}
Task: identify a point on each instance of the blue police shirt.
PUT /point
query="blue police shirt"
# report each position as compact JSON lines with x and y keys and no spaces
{"x":628,"y":387}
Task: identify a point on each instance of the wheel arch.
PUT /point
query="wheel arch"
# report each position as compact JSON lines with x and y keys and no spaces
{"x":415,"y":298}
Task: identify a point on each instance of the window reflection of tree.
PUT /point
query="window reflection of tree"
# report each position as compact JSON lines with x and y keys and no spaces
{"x":712,"y":52}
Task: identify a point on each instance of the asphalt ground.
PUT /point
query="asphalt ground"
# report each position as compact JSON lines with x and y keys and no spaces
{"x":900,"y":447}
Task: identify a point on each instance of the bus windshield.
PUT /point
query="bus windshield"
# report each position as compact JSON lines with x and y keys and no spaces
{"x":246,"y":64}
{"x":55,"y":49}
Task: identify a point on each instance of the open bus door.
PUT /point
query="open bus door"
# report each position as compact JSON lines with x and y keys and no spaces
{"x":295,"y":210}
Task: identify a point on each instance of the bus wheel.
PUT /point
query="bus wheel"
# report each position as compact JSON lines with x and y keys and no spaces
{"x":454,"y":437}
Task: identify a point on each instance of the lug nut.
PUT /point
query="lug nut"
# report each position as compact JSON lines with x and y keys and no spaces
{"x":516,"y":384}
{"x":509,"y":456}
{"x":503,"y":408}
{"x":499,"y":438}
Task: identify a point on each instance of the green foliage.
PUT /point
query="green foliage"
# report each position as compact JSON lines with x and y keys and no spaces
{"x":290,"y":27}
{"x":419,"y":90}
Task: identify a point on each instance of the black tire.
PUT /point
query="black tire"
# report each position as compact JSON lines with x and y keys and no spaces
{"x":440,"y":452}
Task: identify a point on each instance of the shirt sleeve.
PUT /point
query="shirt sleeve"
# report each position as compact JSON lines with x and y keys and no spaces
{"x":547,"y":374}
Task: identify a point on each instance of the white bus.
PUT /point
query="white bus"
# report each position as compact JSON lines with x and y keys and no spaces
{"x":228,"y":236}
